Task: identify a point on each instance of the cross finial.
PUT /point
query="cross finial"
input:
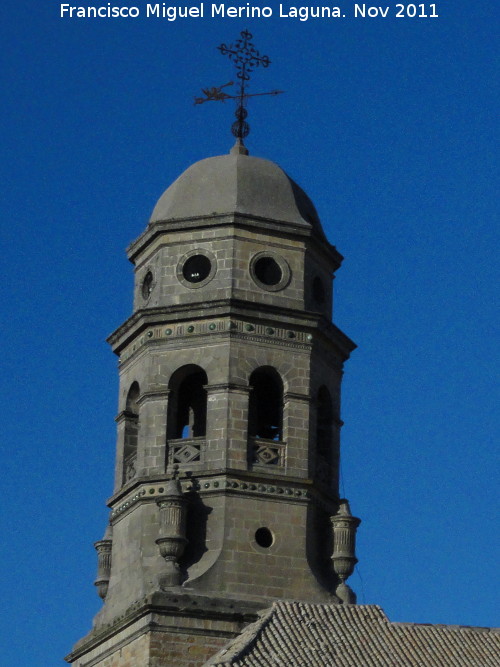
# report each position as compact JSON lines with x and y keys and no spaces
{"x":245,"y":58}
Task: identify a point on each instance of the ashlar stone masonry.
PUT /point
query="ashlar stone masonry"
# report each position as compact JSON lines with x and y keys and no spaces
{"x":228,"y":429}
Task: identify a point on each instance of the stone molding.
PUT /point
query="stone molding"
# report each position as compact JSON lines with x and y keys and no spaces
{"x":146,"y":615}
{"x":185,"y":332}
{"x":124,"y":415}
{"x":235,"y":220}
{"x":220,"y":308}
{"x":148,"y":396}
{"x":225,"y":387}
{"x":292,"y":396}
{"x":262,"y":482}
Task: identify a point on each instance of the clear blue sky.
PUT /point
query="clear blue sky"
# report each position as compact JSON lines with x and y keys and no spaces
{"x":389,"y":125}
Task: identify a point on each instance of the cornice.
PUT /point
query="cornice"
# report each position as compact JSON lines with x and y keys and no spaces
{"x":223,"y":387}
{"x":201,"y":309}
{"x":176,"y":602}
{"x":160,"y":395}
{"x":256,"y":322}
{"x":261,"y":482}
{"x":246,"y":221}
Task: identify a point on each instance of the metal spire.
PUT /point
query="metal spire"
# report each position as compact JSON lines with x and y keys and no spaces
{"x":245,"y":58}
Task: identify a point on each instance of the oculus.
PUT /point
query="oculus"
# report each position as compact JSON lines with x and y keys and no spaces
{"x":147,"y":285}
{"x":196,"y":269}
{"x":264,"y":537}
{"x":270,"y":271}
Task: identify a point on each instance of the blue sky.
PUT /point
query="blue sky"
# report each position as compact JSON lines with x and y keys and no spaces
{"x":389,"y":125}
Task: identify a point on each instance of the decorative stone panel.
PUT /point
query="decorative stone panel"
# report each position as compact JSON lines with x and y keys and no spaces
{"x":267,"y":452}
{"x":185,"y":450}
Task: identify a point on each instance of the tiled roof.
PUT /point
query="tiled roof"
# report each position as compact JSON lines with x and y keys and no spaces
{"x":290,"y":634}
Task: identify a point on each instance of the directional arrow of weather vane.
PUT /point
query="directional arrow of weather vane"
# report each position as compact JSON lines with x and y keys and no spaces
{"x":245,"y":58}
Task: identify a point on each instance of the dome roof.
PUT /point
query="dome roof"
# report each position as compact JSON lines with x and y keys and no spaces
{"x":236,"y":183}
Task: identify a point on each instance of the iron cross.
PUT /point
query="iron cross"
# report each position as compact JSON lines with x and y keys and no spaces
{"x":245,"y":58}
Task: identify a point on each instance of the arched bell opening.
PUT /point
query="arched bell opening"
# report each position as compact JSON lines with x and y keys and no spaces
{"x":265,"y":417}
{"x":187,"y":414}
{"x":131,"y":435}
{"x":324,"y":435}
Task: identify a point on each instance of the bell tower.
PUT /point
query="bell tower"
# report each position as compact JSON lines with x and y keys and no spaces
{"x":228,"y":429}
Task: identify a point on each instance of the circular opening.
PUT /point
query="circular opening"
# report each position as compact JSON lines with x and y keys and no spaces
{"x":318,"y":290}
{"x":268,"y":271}
{"x":147,"y":285}
{"x":196,"y":268}
{"x":264,"y":537}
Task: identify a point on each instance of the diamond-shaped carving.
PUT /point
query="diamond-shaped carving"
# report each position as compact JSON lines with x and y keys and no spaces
{"x":267,"y":455}
{"x":130,"y":470}
{"x":186,"y":454}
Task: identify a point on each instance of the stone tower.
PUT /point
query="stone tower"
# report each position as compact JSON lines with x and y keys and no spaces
{"x":227,"y":461}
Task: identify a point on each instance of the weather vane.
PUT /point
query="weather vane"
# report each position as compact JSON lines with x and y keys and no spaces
{"x":245,"y":58}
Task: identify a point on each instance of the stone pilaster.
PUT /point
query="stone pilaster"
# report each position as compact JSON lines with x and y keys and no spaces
{"x":296,"y":433}
{"x":151,"y":458}
{"x":227,"y":424}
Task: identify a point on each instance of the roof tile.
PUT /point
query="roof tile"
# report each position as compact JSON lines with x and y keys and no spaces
{"x":296,"y":634}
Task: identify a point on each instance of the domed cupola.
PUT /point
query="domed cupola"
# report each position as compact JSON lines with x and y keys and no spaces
{"x":234,"y":226}
{"x":237,"y":183}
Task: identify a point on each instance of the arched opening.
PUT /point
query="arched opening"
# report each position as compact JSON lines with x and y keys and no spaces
{"x":187,"y":414}
{"x":131,"y":435}
{"x":265,"y":417}
{"x":318,"y":291}
{"x":188,"y":403}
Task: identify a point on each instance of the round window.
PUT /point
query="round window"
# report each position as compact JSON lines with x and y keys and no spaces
{"x":147,"y":285}
{"x":264,"y":537}
{"x":196,"y":268}
{"x":268,"y":271}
